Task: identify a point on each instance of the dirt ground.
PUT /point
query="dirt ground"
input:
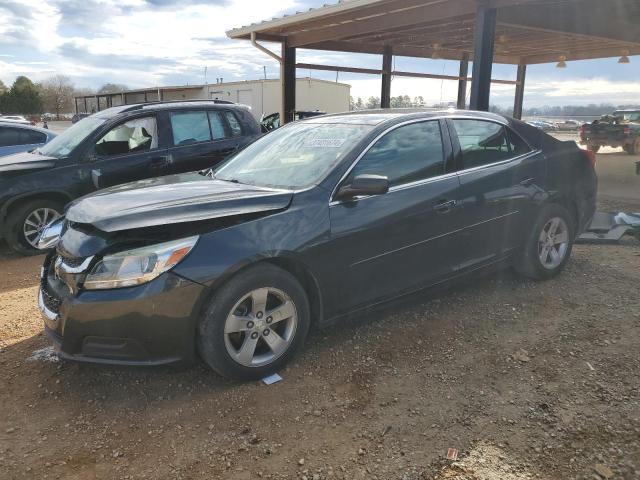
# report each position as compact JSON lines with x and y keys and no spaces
{"x":526,"y":380}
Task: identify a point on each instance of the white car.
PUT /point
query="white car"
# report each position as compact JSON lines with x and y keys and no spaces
{"x":15,"y":119}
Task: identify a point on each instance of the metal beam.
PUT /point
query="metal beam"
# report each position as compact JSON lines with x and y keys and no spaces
{"x":462,"y":82}
{"x":395,"y":73}
{"x":385,"y":95}
{"x":334,"y":68}
{"x":517,"y":105}
{"x":483,"y":56}
{"x":288,"y":83}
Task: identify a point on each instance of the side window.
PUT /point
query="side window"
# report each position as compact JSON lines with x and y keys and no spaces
{"x":190,"y":127}
{"x":28,"y":137}
{"x":482,"y":142}
{"x":9,"y":136}
{"x":217,"y":127}
{"x":236,"y":129}
{"x":407,"y":154}
{"x":517,"y":145}
{"x":137,"y":135}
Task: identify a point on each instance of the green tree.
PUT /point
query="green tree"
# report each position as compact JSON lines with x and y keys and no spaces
{"x":3,"y":88}
{"x":22,"y":98}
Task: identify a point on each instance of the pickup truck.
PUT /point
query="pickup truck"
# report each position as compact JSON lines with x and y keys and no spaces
{"x":621,"y":129}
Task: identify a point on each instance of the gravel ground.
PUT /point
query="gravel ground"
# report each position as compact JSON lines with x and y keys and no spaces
{"x":526,"y":380}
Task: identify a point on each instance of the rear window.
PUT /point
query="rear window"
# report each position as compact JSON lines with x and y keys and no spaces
{"x":190,"y":127}
{"x":234,"y":124}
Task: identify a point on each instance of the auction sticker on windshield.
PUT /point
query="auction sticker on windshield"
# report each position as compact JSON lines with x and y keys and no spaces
{"x":325,"y":142}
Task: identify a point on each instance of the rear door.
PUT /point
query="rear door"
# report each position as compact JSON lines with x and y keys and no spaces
{"x":131,"y":150}
{"x":392,"y":243}
{"x":499,"y":176}
{"x":200,"y":139}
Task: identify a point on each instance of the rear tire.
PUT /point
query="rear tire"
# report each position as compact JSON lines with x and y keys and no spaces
{"x":633,"y":148}
{"x":254,"y":324}
{"x":549,"y":246}
{"x":26,"y":222}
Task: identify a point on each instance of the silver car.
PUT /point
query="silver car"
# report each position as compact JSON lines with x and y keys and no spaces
{"x":16,"y":137}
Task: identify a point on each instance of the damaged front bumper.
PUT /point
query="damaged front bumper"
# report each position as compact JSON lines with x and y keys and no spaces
{"x":149,"y":324}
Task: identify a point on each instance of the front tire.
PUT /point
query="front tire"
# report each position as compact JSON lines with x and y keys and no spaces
{"x":254,"y":324}
{"x":26,"y":223}
{"x":549,"y":246}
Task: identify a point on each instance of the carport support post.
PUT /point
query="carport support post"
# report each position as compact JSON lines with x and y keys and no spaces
{"x":483,"y":55}
{"x":385,"y":94}
{"x":288,"y":72}
{"x":517,"y":105}
{"x":462,"y":83}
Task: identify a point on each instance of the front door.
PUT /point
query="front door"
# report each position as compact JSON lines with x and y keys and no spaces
{"x":499,"y":174}
{"x":129,"y":151}
{"x":201,"y":139}
{"x":405,"y":239}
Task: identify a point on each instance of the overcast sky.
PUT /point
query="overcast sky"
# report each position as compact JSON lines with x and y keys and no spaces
{"x":144,"y":43}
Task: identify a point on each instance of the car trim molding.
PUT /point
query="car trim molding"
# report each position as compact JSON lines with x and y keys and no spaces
{"x":375,"y":257}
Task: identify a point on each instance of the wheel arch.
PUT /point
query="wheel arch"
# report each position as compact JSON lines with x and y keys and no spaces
{"x":55,"y":195}
{"x":570,"y":204}
{"x":287,"y":262}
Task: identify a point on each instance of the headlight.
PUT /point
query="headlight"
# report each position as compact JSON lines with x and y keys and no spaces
{"x":138,"y":266}
{"x":50,"y":236}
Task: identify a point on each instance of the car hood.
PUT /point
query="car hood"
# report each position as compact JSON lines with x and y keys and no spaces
{"x":173,"y":199}
{"x":25,"y":161}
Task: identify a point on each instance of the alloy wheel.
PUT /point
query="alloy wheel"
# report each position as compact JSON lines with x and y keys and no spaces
{"x":553,"y":243}
{"x":260,"y":327}
{"x":36,"y":222}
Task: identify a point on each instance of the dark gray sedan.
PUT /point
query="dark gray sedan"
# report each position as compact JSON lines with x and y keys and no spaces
{"x":312,"y":222}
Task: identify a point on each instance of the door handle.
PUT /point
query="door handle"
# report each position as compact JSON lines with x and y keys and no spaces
{"x":527,"y":182}
{"x":159,"y":162}
{"x":445,"y":206}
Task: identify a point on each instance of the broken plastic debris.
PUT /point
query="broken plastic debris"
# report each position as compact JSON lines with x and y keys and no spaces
{"x":452,"y":454}
{"x":590,"y":367}
{"x":271,"y":379}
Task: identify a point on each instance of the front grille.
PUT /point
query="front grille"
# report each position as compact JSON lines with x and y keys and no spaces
{"x":52,"y":303}
{"x":50,"y":299}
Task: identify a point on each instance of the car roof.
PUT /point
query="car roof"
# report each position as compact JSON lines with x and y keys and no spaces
{"x":25,"y":126}
{"x":380,"y":116}
{"x":157,"y":106}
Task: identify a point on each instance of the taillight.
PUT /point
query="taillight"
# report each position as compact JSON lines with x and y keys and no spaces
{"x":591,"y":157}
{"x":626,"y":130}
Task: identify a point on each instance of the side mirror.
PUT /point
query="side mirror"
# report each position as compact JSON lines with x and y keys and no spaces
{"x":364,"y":185}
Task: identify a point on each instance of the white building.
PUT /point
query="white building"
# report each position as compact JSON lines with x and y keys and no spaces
{"x":263,"y":96}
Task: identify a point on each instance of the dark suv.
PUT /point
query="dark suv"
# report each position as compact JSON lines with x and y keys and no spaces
{"x":114,"y":146}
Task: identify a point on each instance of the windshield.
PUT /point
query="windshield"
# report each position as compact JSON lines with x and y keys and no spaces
{"x":629,"y":116}
{"x":62,"y":145}
{"x":295,"y":156}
